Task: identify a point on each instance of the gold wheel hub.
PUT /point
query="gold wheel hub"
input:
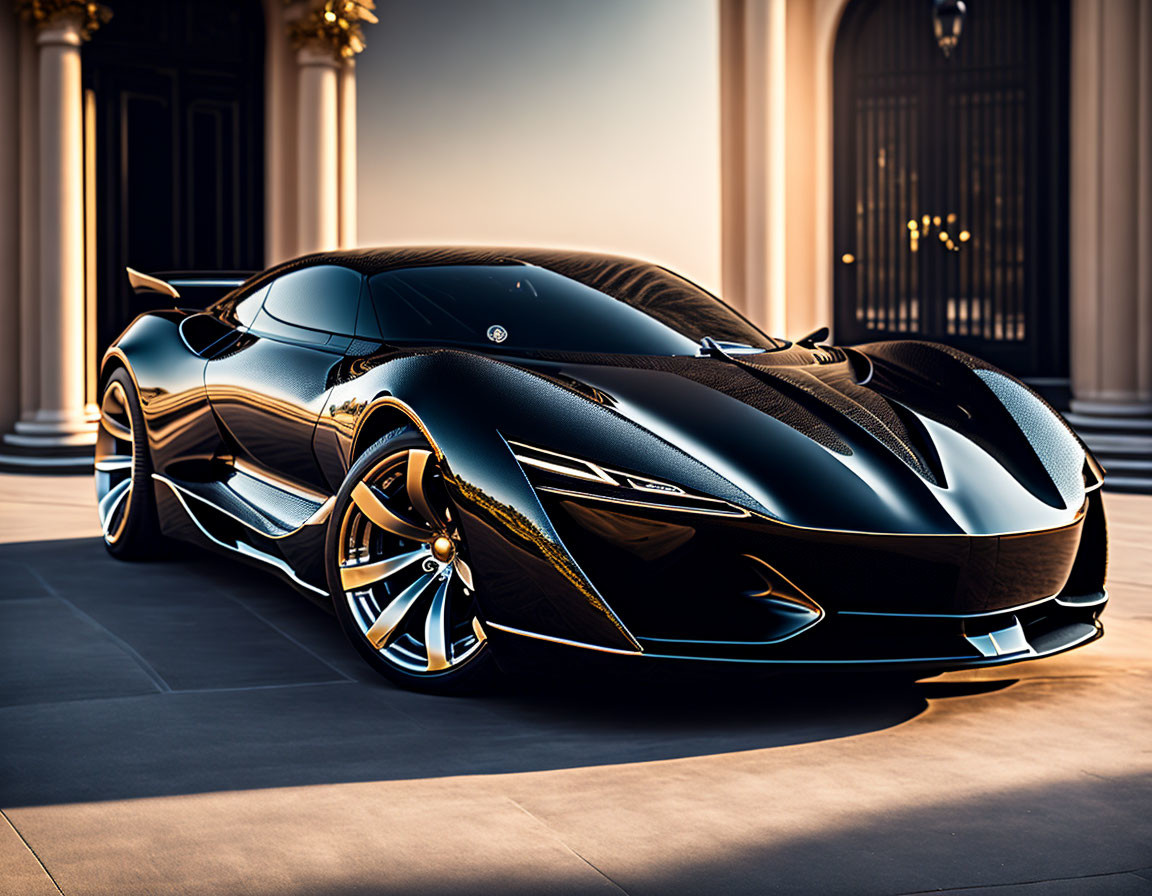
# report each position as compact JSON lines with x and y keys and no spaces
{"x":442,"y":548}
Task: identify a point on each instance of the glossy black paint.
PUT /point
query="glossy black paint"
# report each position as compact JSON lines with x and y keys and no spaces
{"x":914,"y":496}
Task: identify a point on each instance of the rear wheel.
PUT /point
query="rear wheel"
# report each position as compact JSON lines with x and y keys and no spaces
{"x":399,"y":572}
{"x":126,"y":501}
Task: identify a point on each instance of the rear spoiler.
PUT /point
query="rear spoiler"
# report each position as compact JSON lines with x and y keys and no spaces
{"x":203,"y":287}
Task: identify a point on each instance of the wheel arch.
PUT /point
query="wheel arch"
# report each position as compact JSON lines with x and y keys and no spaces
{"x":114,"y":359}
{"x":384,"y":414}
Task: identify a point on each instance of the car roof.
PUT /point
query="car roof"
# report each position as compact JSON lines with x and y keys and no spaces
{"x":378,"y":260}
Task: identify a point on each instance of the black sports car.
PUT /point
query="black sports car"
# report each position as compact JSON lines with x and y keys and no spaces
{"x":475,"y":455}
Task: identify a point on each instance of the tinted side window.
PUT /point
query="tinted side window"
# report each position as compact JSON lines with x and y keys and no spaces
{"x":322,"y":298}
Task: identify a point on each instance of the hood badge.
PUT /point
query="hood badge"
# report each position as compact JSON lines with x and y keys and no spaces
{"x":497,"y":333}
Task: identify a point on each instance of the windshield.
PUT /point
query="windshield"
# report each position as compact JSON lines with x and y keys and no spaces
{"x":518,"y":307}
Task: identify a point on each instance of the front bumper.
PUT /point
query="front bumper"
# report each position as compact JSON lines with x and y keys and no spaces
{"x":693,"y":588}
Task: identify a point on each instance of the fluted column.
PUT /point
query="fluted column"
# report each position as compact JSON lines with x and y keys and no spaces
{"x":1110,"y":251}
{"x":61,"y":411}
{"x":348,"y":154}
{"x":29,"y":228}
{"x":318,"y":181}
{"x":1111,"y":208}
{"x":9,"y":219}
{"x":327,"y":36}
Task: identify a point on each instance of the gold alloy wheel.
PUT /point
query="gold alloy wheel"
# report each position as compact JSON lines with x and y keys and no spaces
{"x":115,"y":461}
{"x":402,"y":569}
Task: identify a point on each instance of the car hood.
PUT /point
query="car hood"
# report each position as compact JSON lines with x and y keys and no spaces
{"x":885,"y":438}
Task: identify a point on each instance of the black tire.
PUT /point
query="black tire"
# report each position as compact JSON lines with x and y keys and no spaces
{"x":132,"y":529}
{"x":350,"y":531}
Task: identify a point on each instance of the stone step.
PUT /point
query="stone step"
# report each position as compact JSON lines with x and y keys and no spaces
{"x":20,"y":458}
{"x":1083,"y":423}
{"x":1118,"y":445}
{"x":1123,"y":483}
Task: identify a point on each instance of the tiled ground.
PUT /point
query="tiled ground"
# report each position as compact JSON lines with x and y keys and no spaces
{"x":195,"y":727}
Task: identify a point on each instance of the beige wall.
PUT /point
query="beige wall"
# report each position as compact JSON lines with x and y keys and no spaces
{"x":580,"y":123}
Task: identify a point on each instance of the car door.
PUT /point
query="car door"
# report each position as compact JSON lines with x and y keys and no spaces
{"x":269,"y":389}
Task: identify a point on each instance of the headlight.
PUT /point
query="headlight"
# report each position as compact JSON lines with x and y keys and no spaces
{"x":561,"y":474}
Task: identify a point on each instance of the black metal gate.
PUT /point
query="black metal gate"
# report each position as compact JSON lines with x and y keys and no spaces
{"x":951,"y":181}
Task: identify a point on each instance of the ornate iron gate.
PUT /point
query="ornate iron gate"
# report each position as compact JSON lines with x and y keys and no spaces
{"x":951,"y":180}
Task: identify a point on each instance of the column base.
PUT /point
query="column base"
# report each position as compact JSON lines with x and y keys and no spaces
{"x":49,"y":446}
{"x":1121,"y":442}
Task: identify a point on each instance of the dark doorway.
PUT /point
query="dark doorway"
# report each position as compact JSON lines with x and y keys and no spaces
{"x":179,"y":139}
{"x":951,"y":181}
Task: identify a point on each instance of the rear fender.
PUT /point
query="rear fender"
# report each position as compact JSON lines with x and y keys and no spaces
{"x":169,"y":380}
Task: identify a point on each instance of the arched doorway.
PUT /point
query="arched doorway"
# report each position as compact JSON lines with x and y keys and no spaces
{"x":950,"y":194}
{"x":176,"y":93}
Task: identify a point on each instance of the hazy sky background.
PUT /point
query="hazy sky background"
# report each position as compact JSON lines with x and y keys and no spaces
{"x":580,"y":123}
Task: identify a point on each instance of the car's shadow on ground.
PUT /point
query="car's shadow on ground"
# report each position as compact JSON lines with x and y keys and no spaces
{"x":201,"y":674}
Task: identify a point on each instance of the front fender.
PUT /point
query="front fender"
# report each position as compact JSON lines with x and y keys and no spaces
{"x":468,"y":406}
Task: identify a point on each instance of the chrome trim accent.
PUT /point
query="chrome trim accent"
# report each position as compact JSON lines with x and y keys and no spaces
{"x":1004,"y":642}
{"x":729,"y":510}
{"x":239,"y":547}
{"x":1102,"y":599}
{"x":1006,"y":610}
{"x":963,"y":662}
{"x":585,"y":469}
{"x":553,"y":639}
{"x":139,"y":280}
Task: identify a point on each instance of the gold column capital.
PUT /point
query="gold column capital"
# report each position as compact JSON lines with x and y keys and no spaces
{"x":85,"y":16}
{"x":332,"y":26}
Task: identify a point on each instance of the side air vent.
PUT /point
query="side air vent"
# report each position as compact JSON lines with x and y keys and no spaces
{"x":204,"y":334}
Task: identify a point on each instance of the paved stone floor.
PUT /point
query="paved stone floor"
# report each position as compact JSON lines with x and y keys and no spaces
{"x":194,"y":727}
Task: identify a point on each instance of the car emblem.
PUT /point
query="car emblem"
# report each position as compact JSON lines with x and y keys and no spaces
{"x":497,"y":333}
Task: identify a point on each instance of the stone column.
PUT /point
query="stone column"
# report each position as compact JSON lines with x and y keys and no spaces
{"x":318,"y":155}
{"x":348,"y":154}
{"x":29,"y":228}
{"x":9,"y":219}
{"x":768,"y":225}
{"x":61,"y":415}
{"x":327,"y":37}
{"x":1111,"y":231}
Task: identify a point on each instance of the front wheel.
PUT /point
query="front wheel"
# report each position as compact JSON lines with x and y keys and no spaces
{"x":399,"y":574}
